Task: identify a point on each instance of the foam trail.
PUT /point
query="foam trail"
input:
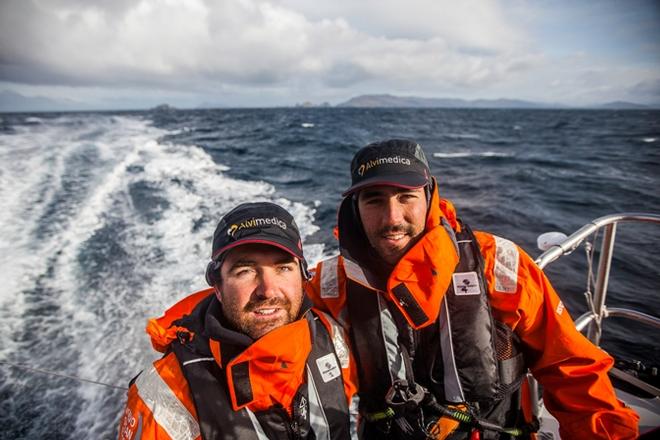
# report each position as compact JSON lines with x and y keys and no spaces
{"x":32,"y":169}
{"x":463,"y":135}
{"x":459,"y":154}
{"x":124,"y":225}
{"x":54,"y":190}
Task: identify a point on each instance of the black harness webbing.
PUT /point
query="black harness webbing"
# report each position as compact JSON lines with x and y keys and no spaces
{"x":211,"y":397}
{"x":330,"y":394}
{"x":366,"y":328}
{"x":470,"y":352}
{"x":217,"y":420}
{"x":472,"y":328}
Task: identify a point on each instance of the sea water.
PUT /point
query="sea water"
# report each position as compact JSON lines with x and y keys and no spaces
{"x":106,"y":219}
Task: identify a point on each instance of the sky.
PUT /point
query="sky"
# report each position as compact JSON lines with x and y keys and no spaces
{"x":125,"y":54}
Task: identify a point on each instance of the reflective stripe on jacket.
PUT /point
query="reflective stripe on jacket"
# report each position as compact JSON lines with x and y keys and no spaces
{"x":572,"y":371}
{"x":289,"y":375}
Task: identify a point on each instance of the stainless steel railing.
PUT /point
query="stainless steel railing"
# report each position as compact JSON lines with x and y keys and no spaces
{"x":593,"y":319}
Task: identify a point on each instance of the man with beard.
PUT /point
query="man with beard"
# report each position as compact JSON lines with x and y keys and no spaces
{"x":247,"y":358}
{"x":444,"y":322}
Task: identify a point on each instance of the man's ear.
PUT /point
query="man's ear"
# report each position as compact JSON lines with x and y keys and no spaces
{"x":218,"y":294}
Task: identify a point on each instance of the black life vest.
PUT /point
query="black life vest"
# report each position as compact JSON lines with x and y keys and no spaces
{"x":320,"y":410}
{"x":465,"y":356}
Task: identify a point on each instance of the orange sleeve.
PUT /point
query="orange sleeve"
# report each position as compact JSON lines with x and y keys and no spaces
{"x":571,"y":370}
{"x":313,"y":288}
{"x":329,"y":296}
{"x":138,"y":421}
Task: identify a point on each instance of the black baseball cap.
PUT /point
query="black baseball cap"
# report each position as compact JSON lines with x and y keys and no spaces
{"x":260,"y":222}
{"x":395,"y":162}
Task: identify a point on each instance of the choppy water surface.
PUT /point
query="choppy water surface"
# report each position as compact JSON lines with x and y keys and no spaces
{"x":106,"y":219}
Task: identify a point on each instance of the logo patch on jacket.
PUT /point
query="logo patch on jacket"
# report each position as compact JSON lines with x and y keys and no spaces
{"x":328,"y":367}
{"x":302,"y":408}
{"x":466,"y":283}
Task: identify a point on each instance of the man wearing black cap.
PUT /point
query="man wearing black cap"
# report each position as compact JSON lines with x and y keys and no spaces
{"x":444,"y":321}
{"x":247,"y":358}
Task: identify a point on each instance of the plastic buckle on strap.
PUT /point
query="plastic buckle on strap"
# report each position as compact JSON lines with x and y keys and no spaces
{"x":403,"y":397}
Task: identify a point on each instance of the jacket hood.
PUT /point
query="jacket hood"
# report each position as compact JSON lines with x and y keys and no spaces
{"x":164,"y":330}
{"x":418,"y":281}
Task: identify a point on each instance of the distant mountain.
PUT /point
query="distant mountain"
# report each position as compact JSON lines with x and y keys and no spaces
{"x":412,"y":101}
{"x":163,"y":108}
{"x":623,"y":105}
{"x":15,"y":102}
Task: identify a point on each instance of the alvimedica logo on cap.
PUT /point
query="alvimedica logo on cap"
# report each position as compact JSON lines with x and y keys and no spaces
{"x":256,"y":223}
{"x":382,"y":161}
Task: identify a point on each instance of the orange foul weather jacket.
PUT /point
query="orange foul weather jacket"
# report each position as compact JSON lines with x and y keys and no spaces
{"x":296,"y":381}
{"x":572,"y":371}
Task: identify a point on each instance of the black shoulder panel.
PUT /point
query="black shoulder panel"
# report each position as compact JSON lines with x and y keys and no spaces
{"x":472,"y":327}
{"x":331,"y":393}
{"x":366,"y":331}
{"x":217,"y":419}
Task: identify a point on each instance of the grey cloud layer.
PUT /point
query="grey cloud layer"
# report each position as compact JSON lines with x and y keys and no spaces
{"x":192,"y":44}
{"x":273,"y":52}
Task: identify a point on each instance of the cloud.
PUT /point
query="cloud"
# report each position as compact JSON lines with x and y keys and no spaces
{"x":475,"y":24}
{"x":193,"y":44}
{"x":581,"y":79}
{"x":273,"y":52}
{"x":650,"y":88}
